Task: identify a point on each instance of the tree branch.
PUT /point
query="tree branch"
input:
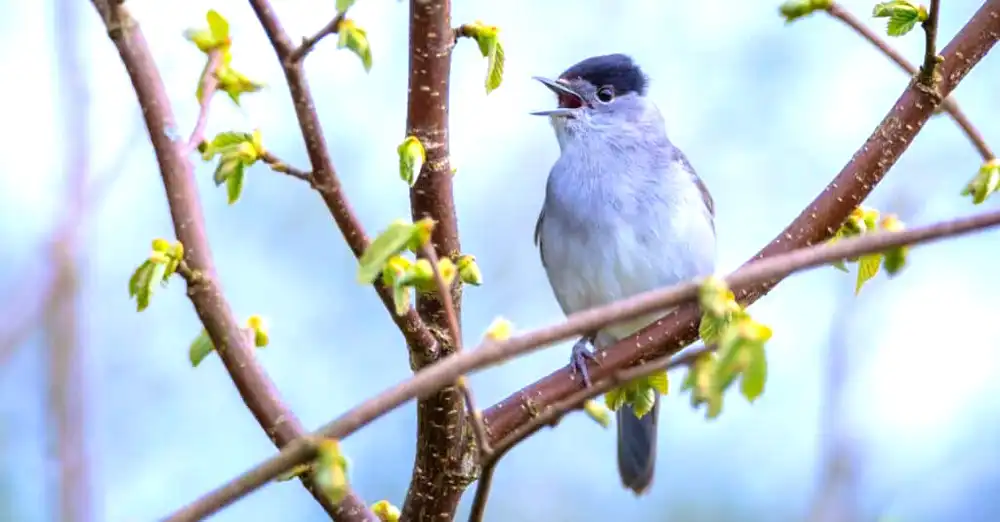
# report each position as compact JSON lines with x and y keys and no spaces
{"x":949,"y":104}
{"x":490,"y":353}
{"x":205,"y":292}
{"x":308,"y":44}
{"x":324,"y":176}
{"x":208,"y":83}
{"x":928,"y":71}
{"x":440,"y":469}
{"x":815,"y":224}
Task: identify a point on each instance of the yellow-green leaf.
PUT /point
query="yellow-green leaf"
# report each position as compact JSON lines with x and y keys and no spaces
{"x":218,"y":25}
{"x":468,"y":270}
{"x":643,"y":401}
{"x":659,"y":382}
{"x":500,"y":329}
{"x":615,"y":398}
{"x":755,"y":371}
{"x":355,"y":39}
{"x":494,"y":67}
{"x":868,"y":267}
{"x":397,"y":237}
{"x":795,"y":9}
{"x":709,"y":328}
{"x":344,"y":5}
{"x":200,"y":348}
{"x":234,"y":83}
{"x":902,"y":14}
{"x":411,"y":159}
{"x":330,"y":472}
{"x":225,"y":169}
{"x":258,"y":326}
{"x":985,"y":182}
{"x":598,"y":412}
{"x":234,"y":183}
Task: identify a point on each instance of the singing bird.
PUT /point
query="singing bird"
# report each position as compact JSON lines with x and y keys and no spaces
{"x":624,"y":213}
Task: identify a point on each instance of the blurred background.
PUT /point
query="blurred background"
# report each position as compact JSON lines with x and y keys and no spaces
{"x":883,"y":406}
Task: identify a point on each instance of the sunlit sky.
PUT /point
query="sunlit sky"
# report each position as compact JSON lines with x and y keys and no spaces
{"x":767,"y":113}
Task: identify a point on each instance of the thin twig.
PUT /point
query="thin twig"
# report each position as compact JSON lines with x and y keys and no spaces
{"x":280,"y":166}
{"x":949,"y":104}
{"x":324,"y":176}
{"x":206,"y":294}
{"x":209,"y":82}
{"x":444,"y":289}
{"x":309,"y":43}
{"x":928,"y":71}
{"x":489,"y":353}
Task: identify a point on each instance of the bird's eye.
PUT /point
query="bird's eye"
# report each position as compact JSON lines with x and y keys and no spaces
{"x":606,"y":93}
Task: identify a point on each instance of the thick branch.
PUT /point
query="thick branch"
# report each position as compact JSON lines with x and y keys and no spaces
{"x":324,"y":176}
{"x":234,"y":348}
{"x":490,"y":353}
{"x":441,"y":468}
{"x":949,"y":104}
{"x":815,"y":224}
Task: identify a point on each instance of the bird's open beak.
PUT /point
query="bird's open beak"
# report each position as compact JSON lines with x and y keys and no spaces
{"x":560,"y":89}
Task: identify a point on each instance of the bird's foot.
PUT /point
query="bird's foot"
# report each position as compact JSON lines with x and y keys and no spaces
{"x":579,"y":358}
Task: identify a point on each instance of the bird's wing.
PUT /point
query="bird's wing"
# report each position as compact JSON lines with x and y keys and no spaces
{"x":705,"y":194}
{"x":538,"y":235}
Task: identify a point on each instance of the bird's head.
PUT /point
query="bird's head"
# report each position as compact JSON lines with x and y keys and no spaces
{"x":602,"y":93}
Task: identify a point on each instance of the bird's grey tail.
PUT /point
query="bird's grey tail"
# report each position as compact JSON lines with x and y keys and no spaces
{"x":637,"y":447}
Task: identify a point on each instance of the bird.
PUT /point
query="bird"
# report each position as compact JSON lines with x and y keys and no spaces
{"x":624,"y":213}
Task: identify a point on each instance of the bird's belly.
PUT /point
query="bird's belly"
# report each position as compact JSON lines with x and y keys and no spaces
{"x":599,"y":268}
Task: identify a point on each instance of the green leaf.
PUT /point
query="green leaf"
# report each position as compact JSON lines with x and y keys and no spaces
{"x":140,"y":284}
{"x":227,"y":167}
{"x":984,"y":183}
{"x":902,"y":14}
{"x":494,"y":67}
{"x":401,"y":299}
{"x":755,"y":371}
{"x":355,"y":39}
{"x":659,"y":382}
{"x":221,"y":143}
{"x":598,"y":412}
{"x":234,"y":183}
{"x":235,"y":84}
{"x":399,"y":236}
{"x":411,"y":159}
{"x":795,"y":9}
{"x":218,"y":26}
{"x":330,"y":472}
{"x":868,"y":267}
{"x":468,"y":270}
{"x":200,"y":348}
{"x":615,"y":399}
{"x":258,"y":327}
{"x":344,"y":5}
{"x":709,"y":328}
{"x":643,"y":401}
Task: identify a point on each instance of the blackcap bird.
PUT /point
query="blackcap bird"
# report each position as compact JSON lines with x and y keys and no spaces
{"x":624,"y":213}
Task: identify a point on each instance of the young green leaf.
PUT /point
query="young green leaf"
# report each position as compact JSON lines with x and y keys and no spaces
{"x":235,"y":84}
{"x":494,"y":67}
{"x":218,"y":26}
{"x":868,"y":267}
{"x":330,"y":472}
{"x":258,"y":327}
{"x":140,"y":285}
{"x":902,"y":14}
{"x":642,"y":401}
{"x":755,"y":371}
{"x":659,"y":382}
{"x":500,"y":329}
{"x":226,"y":168}
{"x":615,"y":398}
{"x":385,"y":511}
{"x":399,"y":236}
{"x":411,"y":159}
{"x":795,"y":9}
{"x":598,"y":412}
{"x":200,"y":348}
{"x":984,"y":183}
{"x":355,"y":39}
{"x":468,"y":270}
{"x":234,"y":182}
{"x":344,"y":5}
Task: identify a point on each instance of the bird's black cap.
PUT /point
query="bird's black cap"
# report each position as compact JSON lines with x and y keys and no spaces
{"x":617,"y":70}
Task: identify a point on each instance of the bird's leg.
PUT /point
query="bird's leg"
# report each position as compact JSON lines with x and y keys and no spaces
{"x":579,"y":357}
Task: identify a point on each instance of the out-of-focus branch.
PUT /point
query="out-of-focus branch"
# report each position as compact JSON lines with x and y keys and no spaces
{"x":490,"y":353}
{"x":205,"y":292}
{"x":66,"y":377}
{"x":309,"y":43}
{"x":817,"y":222}
{"x":440,"y":468}
{"x":208,"y":83}
{"x":949,"y":104}
{"x":324,"y":176}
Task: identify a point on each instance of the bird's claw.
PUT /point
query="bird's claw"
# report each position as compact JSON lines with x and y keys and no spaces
{"x":578,"y":360}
